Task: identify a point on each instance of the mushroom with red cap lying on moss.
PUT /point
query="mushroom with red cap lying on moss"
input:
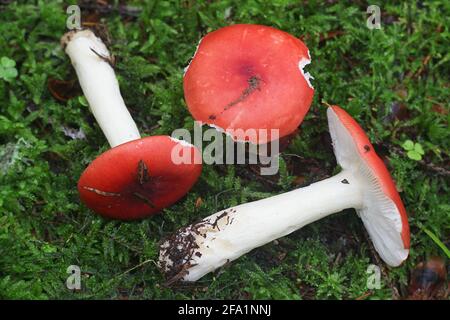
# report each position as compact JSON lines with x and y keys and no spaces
{"x":137,"y":177}
{"x":364,"y":184}
{"x":248,"y":76}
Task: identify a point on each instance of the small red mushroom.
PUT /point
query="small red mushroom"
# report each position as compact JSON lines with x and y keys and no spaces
{"x":249,"y":77}
{"x":138,"y":176}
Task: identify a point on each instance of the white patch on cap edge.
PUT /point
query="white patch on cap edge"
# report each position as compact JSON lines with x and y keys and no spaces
{"x":302,"y":64}
{"x":182,"y":142}
{"x":196,"y":50}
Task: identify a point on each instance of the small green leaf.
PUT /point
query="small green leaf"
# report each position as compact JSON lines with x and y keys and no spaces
{"x":438,"y":242}
{"x":7,"y":63}
{"x":408,"y":145}
{"x":10,"y":73}
{"x":418,"y":148}
{"x":414,"y":155}
{"x":47,"y":248}
{"x":82,"y":100}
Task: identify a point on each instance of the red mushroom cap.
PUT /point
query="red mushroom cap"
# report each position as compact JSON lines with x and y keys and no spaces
{"x":249,"y":77}
{"x":138,"y":178}
{"x":377,"y":210}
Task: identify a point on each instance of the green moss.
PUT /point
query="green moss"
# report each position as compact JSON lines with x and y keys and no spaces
{"x":44,"y":228}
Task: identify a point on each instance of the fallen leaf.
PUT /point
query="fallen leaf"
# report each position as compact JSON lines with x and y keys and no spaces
{"x":402,"y":93}
{"x":198,"y":202}
{"x":428,"y":280}
{"x":281,"y":256}
{"x":91,"y":19}
{"x":439,"y":109}
{"x":398,"y":111}
{"x":299,"y":180}
{"x":63,"y":90}
{"x":75,"y":134}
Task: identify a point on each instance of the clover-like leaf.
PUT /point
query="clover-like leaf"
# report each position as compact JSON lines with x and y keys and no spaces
{"x":418,"y":148}
{"x":83,"y":101}
{"x":7,"y":62}
{"x":10,"y":73}
{"x":412,"y":154}
{"x":7,"y":69}
{"x":408,"y":145}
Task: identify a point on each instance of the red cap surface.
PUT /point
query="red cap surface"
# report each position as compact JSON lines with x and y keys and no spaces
{"x":138,"y":178}
{"x":249,"y":77}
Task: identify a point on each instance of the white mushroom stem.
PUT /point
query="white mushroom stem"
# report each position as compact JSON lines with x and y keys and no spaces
{"x":226,"y":235}
{"x":91,"y":60}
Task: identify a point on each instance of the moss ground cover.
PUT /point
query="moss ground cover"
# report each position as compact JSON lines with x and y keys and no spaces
{"x":393,"y":80}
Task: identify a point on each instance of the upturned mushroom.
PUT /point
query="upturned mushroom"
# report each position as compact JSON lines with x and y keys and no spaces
{"x":364,"y":184}
{"x":137,"y":177}
{"x":248,"y":76}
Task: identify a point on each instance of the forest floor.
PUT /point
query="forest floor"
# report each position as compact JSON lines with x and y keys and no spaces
{"x":394,"y":81}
